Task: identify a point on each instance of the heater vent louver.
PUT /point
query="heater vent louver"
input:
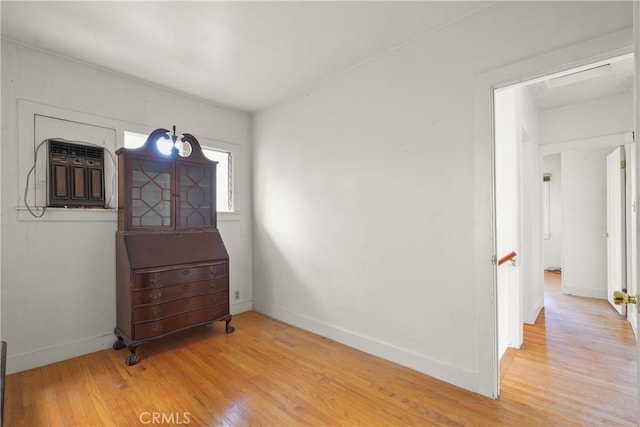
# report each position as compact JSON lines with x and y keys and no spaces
{"x":76,"y":150}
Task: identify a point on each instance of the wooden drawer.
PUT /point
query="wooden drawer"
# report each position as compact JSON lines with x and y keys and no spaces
{"x":168,"y":324}
{"x":154,"y":279}
{"x":158,"y":311}
{"x":181,"y":291}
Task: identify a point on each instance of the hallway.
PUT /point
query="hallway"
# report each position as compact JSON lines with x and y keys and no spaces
{"x":579,"y":358}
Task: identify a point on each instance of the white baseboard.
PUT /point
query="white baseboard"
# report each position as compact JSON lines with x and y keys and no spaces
{"x":439,"y":369}
{"x":241,"y":307}
{"x":535,"y":313}
{"x":584,"y":292}
{"x":64,"y":351}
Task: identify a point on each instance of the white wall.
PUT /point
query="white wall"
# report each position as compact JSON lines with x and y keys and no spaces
{"x":58,"y":293}
{"x":584,"y":219}
{"x":372,"y":191}
{"x":599,"y":117}
{"x":552,"y":247}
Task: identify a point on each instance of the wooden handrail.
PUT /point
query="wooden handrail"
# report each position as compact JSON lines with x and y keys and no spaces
{"x":507,"y":257}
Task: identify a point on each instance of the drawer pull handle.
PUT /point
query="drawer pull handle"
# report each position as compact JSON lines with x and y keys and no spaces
{"x":186,"y":316}
{"x":184,"y":302}
{"x":215,"y":299}
{"x":154,"y":280}
{"x":185,"y":286}
{"x":156,"y":328}
{"x":155,"y":296}
{"x":215,"y":284}
{"x":186,"y":271}
{"x":156,"y":311}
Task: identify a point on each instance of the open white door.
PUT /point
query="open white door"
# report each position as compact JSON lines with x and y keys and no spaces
{"x":636,"y":114}
{"x":616,"y":237}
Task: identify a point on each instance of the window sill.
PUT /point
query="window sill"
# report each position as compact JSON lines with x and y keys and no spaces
{"x":92,"y":215}
{"x":68,"y":214}
{"x":229,"y":216}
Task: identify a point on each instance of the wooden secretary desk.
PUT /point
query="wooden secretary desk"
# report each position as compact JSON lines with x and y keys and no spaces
{"x":172,"y":269}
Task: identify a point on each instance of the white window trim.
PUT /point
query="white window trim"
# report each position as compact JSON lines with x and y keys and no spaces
{"x":27,"y":111}
{"x":230,"y":176}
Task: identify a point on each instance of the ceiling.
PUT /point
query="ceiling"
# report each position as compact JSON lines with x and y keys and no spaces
{"x":247,"y":55}
{"x":252,"y":55}
{"x":614,"y":77}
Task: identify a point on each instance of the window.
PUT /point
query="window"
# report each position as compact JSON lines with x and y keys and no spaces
{"x":224,"y":199}
{"x":224,"y":171}
{"x":134,"y":140}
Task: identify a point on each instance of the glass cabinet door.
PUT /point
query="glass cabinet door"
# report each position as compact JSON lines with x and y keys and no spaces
{"x":195,"y":187}
{"x":150,"y":193}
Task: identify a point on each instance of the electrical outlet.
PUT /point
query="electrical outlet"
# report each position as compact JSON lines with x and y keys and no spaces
{"x":236,"y":295}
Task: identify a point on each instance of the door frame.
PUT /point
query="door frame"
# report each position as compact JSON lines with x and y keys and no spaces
{"x":536,"y":68}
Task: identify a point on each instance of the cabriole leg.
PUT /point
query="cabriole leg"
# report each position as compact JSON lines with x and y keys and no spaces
{"x":119,"y":344}
{"x":132,"y":359}
{"x":228,"y":327}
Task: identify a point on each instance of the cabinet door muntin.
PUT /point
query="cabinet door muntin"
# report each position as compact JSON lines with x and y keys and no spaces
{"x":196,"y":204}
{"x":151,"y":190}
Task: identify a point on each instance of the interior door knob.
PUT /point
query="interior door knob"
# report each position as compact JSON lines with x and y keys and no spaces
{"x":605,"y":234}
{"x":622,"y":298}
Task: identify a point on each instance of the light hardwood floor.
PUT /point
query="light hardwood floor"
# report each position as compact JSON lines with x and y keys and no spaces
{"x":577,"y":368}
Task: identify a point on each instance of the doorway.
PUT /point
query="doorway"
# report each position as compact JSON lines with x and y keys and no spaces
{"x":584,"y":113}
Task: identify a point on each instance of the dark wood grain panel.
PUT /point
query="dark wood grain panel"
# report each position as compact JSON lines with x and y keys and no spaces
{"x":183,"y":290}
{"x":179,"y":321}
{"x":162,"y":249}
{"x":158,"y":311}
{"x":166,"y":277}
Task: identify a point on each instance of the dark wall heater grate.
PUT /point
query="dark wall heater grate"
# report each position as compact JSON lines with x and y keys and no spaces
{"x":76,"y":175}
